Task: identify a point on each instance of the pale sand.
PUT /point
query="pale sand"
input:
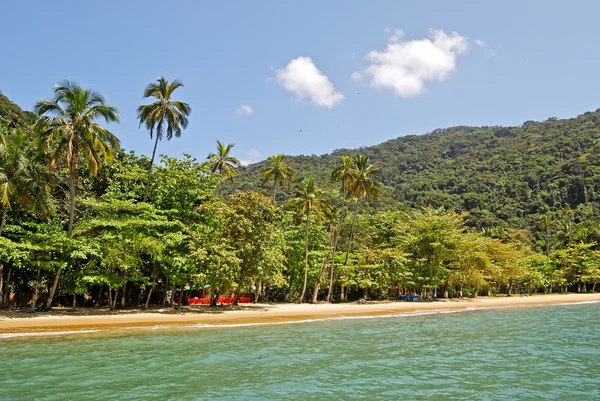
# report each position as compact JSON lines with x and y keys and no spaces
{"x":262,"y":313}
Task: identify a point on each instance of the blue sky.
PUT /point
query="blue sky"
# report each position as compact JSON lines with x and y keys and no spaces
{"x":294,"y":63}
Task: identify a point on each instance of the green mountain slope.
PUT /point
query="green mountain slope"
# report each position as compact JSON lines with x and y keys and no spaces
{"x":11,"y":115}
{"x":503,"y":176}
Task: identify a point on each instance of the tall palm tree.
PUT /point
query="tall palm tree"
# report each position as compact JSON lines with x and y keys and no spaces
{"x":223,"y":163}
{"x":164,"y":117}
{"x":342,"y":173}
{"x":68,"y":125}
{"x":361,"y":185}
{"x":279,"y":172}
{"x":22,"y":179}
{"x":308,"y":199}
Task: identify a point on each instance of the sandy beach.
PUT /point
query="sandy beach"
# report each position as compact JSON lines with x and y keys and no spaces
{"x":62,"y":320}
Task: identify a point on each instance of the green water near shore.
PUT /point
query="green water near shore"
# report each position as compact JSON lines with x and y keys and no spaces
{"x":550,"y":352}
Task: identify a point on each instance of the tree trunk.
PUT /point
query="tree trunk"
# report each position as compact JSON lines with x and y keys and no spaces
{"x":151,"y":289}
{"x":123,"y":294}
{"x":351,"y":234}
{"x":150,"y":170}
{"x":69,"y":231}
{"x":323,"y":267}
{"x":258,"y":291}
{"x":53,"y":288}
{"x":74,"y":301}
{"x":274,"y":191}
{"x":215,"y":298}
{"x":1,"y":284}
{"x":3,"y":221}
{"x":343,"y":293}
{"x":37,"y":287}
{"x":165,"y":296}
{"x":172,"y":300}
{"x":72,"y":204}
{"x":305,"y":260}
{"x":115,"y":298}
{"x":331,"y":270}
{"x":110,"y":302}
{"x":181,"y":294}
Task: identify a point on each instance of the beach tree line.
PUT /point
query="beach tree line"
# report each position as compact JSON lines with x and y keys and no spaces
{"x":86,"y":223}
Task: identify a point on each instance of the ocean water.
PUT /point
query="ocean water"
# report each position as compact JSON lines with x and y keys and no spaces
{"x":542,"y":353}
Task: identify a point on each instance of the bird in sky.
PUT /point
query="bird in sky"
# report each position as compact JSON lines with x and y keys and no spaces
{"x":300,"y":130}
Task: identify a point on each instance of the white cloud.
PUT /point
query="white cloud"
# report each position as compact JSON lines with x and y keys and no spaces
{"x":396,"y":36}
{"x":489,"y":52}
{"x":357,"y":76}
{"x":302,"y":77}
{"x":406,"y":65}
{"x":253,"y":153}
{"x":252,"y":156}
{"x":244,"y":110}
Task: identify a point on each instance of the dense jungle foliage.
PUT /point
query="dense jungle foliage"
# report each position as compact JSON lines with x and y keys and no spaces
{"x":457,"y":212}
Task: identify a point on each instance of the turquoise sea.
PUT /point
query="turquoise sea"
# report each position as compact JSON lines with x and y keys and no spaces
{"x":542,"y":353}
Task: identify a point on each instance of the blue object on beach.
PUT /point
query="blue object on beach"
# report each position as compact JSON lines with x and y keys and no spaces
{"x":409,"y":297}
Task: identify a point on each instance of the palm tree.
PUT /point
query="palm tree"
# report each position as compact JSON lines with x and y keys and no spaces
{"x":22,"y":178}
{"x":67,"y":124}
{"x":278,"y":172}
{"x":361,"y":185}
{"x":223,"y":163}
{"x":163,"y":117}
{"x":342,"y":173}
{"x":308,"y":199}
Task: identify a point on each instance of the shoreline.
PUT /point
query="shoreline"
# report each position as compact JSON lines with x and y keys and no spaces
{"x":61,"y":322}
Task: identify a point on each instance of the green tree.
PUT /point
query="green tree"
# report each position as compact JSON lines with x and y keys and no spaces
{"x":23,"y":180}
{"x":361,"y":184}
{"x":68,"y":125}
{"x":308,"y":199}
{"x":279,"y":172}
{"x":223,"y":163}
{"x":164,"y":117}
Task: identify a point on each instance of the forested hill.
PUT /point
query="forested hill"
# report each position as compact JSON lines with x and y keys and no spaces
{"x":503,"y":176}
{"x":12,"y":116}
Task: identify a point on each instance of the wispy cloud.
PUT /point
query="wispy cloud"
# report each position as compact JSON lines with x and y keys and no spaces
{"x":252,"y":156}
{"x":405,"y":66}
{"x":302,"y":77}
{"x":489,"y":52}
{"x":244,"y":110}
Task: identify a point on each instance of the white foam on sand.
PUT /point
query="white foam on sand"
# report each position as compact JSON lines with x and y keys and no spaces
{"x":46,"y":333}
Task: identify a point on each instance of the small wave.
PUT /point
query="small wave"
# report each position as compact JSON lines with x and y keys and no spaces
{"x":581,"y":302}
{"x":46,"y":333}
{"x":388,"y":316}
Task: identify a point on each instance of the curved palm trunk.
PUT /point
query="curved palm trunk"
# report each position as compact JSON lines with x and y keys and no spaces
{"x":37,"y":287}
{"x":305,"y":260}
{"x":150,"y":170}
{"x":343,"y":297}
{"x":69,"y":231}
{"x":274,"y":191}
{"x":331,"y":271}
{"x":322,"y":271}
{"x":154,"y":277}
{"x":3,"y":221}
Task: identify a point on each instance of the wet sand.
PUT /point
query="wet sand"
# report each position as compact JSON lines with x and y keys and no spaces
{"x":63,"y":320}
